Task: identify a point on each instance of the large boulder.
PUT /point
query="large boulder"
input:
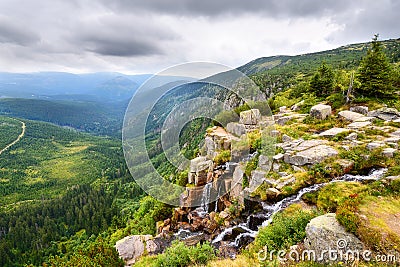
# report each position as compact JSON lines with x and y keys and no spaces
{"x":324,"y":233}
{"x":132,"y":247}
{"x":237,"y":181}
{"x":250,"y":117}
{"x":199,"y":169}
{"x":387,"y":114}
{"x":350,"y":115}
{"x":360,"y":109}
{"x":235,"y":128}
{"x":321,"y":111}
{"x":310,"y":156}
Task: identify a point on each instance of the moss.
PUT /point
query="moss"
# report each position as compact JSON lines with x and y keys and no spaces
{"x":334,"y":194}
{"x":222,"y":157}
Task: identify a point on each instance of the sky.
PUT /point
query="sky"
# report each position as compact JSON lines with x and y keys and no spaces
{"x":146,"y":36}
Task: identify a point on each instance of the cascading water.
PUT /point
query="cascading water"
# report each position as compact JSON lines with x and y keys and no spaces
{"x":205,"y":199}
{"x":269,"y":210}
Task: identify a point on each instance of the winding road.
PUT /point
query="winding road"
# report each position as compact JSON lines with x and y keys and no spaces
{"x":16,"y":140}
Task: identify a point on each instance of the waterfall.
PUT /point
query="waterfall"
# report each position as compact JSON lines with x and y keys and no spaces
{"x":205,"y":199}
{"x":271,"y":209}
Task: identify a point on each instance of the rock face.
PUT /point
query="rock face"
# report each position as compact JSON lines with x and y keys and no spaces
{"x":235,"y":128}
{"x":321,"y":111}
{"x":216,"y":140}
{"x":387,"y":114}
{"x":132,"y":247}
{"x":250,"y":117}
{"x":237,"y":181}
{"x":324,"y":233}
{"x":199,"y":169}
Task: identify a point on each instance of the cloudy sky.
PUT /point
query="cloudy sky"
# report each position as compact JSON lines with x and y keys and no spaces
{"x":145,"y":36}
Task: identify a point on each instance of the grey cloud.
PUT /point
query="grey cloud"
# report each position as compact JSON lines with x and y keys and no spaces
{"x":273,"y":8}
{"x":12,"y":32}
{"x":123,"y":36}
{"x":368,"y":19}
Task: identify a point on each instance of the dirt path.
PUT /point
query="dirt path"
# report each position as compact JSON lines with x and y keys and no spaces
{"x":18,"y":138}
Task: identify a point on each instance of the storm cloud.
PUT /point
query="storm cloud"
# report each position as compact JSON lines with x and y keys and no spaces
{"x":145,"y":36}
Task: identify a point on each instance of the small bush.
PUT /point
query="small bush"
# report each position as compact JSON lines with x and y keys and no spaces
{"x":222,"y":157}
{"x":287,"y":228}
{"x":180,"y":255}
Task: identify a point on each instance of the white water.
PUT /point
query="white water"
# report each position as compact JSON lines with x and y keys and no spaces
{"x":271,"y":210}
{"x":205,"y":200}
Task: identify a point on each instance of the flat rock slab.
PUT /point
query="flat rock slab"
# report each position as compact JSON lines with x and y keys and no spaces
{"x":308,"y":144}
{"x":333,"y":132}
{"x":311,"y":155}
{"x":358,"y":124}
{"x":350,"y":115}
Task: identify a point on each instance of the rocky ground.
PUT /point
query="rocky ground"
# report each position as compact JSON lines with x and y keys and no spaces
{"x":228,"y":188}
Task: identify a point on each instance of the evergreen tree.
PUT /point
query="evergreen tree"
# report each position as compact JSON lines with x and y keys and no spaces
{"x":323,"y":80}
{"x":374,"y":72}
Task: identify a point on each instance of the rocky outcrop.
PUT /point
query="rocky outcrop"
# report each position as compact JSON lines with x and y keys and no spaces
{"x":333,"y":132}
{"x":131,"y":248}
{"x":308,"y":152}
{"x":235,"y":128}
{"x":360,"y":109}
{"x":199,"y":169}
{"x":217,"y":139}
{"x":325,"y":233}
{"x":320,"y":111}
{"x":387,"y":114}
{"x":237,"y":181}
{"x":250,"y":117}
{"x":350,"y":116}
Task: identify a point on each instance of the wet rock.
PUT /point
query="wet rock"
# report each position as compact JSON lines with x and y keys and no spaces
{"x":346,"y":165}
{"x":325,"y":232}
{"x":333,"y":132}
{"x":360,"y":109}
{"x":235,"y":128}
{"x":321,"y":111}
{"x":387,"y":114}
{"x":223,"y":214}
{"x":350,"y":115}
{"x":272,"y":193}
{"x":250,"y":117}
{"x":194,"y":239}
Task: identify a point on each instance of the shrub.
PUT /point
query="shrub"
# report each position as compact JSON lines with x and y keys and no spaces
{"x":180,"y":255}
{"x":287,"y":228}
{"x":222,"y":157}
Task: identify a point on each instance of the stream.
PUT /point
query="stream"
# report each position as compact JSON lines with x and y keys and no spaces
{"x":249,"y":229}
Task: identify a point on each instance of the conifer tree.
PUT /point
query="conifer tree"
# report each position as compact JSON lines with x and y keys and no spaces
{"x":374,"y":72}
